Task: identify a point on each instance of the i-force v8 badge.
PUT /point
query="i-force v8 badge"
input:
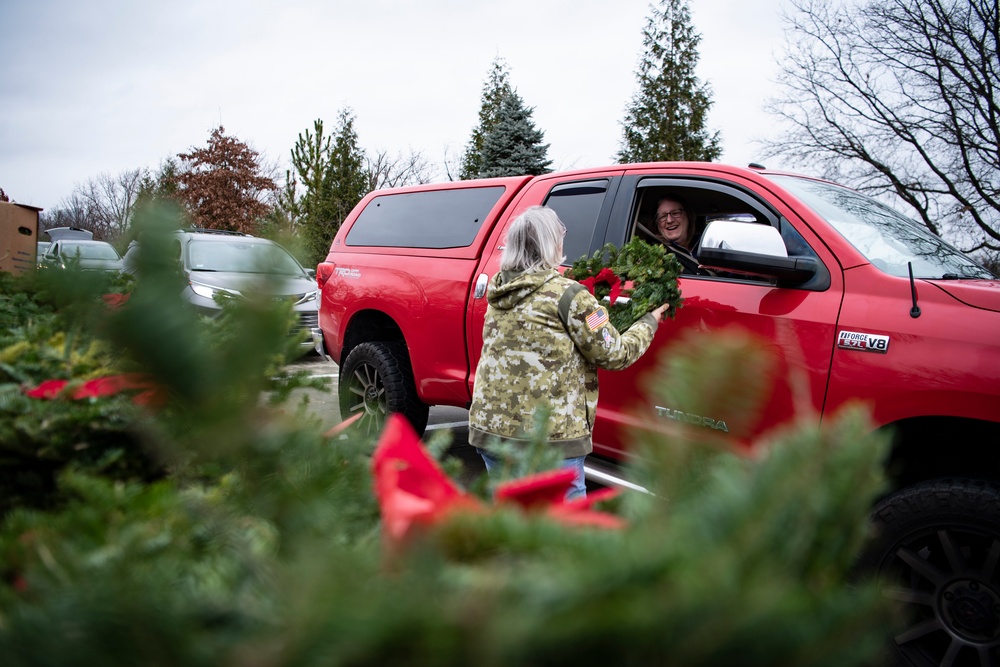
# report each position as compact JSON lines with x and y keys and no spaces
{"x":863,"y":342}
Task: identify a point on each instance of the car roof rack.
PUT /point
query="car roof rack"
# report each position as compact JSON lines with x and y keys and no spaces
{"x":205,"y":230}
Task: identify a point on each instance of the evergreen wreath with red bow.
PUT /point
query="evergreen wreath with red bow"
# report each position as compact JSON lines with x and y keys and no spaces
{"x":644,"y":273}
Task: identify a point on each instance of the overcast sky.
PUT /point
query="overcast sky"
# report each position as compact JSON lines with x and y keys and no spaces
{"x":102,"y":86}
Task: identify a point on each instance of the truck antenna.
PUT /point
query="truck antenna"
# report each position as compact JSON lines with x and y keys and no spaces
{"x":915,"y":311}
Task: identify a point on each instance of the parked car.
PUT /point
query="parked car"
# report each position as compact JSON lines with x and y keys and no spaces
{"x":60,"y":233}
{"x":217,"y":262}
{"x":90,"y":255}
{"x":43,"y":246}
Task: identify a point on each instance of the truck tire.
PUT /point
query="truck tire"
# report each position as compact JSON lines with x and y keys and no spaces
{"x":936,"y":552}
{"x":376,"y":380}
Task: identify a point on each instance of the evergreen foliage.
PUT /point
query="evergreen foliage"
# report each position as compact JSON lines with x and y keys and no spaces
{"x":44,"y":320}
{"x":57,"y":326}
{"x":161,"y":186}
{"x":348,"y":175}
{"x":495,"y":89}
{"x":650,"y":268}
{"x":260,"y":543}
{"x":332,"y":171}
{"x":513,"y":146}
{"x":666,"y":119}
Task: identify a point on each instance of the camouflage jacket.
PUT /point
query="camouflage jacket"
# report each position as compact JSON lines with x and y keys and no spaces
{"x":531,"y":359}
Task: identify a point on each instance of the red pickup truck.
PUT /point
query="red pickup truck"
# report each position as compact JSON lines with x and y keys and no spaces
{"x":861,"y":302}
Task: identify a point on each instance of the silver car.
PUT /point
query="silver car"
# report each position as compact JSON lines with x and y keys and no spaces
{"x":232,"y":264}
{"x":87,"y":254}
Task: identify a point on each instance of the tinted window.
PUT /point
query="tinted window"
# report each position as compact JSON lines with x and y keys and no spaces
{"x":579,"y":207}
{"x":433,"y":219}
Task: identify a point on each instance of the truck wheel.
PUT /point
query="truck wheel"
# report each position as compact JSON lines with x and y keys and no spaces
{"x":376,"y":380}
{"x":937,"y":553}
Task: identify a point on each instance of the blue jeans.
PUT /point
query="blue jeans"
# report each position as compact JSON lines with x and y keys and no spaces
{"x":494,"y":465}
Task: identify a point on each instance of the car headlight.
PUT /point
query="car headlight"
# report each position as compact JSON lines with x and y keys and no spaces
{"x":309,"y":296}
{"x":209,"y":292}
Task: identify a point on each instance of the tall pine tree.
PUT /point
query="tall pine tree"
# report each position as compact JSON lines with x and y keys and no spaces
{"x":666,"y":119}
{"x":311,"y":161}
{"x":513,"y":146}
{"x":348,"y":173}
{"x":331,"y":169}
{"x":495,"y":89}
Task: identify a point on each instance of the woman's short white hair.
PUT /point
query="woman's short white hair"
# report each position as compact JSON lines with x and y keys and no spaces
{"x":534,"y":241}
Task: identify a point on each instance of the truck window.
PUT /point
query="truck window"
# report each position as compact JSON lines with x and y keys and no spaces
{"x":708,"y":204}
{"x":435,"y":219}
{"x":579,"y":207}
{"x":891,"y":242}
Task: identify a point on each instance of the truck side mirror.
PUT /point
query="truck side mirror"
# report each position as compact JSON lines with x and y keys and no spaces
{"x":752,"y":249}
{"x":743,"y":236}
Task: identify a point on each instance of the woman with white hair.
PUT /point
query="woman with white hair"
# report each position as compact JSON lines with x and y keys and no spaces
{"x":544,"y":338}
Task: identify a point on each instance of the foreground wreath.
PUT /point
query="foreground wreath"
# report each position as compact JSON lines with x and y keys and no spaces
{"x":644,"y":273}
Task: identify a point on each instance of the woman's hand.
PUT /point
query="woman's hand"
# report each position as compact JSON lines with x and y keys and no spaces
{"x":660,"y":312}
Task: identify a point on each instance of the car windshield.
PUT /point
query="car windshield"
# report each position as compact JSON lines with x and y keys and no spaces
{"x":91,"y":251}
{"x":242,"y":256}
{"x":888,"y":239}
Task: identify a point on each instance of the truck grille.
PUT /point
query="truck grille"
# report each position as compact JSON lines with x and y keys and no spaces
{"x":306,"y":322}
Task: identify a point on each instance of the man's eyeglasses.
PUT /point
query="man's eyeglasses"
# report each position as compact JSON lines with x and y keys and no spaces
{"x":676,"y":213}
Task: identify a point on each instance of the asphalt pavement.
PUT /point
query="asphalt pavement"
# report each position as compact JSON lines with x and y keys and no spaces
{"x":324,"y":405}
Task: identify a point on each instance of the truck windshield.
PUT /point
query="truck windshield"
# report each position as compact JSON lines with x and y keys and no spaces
{"x":888,"y":239}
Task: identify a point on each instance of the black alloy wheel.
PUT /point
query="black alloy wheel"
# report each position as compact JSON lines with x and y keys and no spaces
{"x":937,"y":555}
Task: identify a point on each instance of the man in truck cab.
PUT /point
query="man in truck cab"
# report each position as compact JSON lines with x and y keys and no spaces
{"x":674,"y":225}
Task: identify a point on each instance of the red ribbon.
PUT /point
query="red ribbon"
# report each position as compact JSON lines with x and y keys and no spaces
{"x":109,"y":385}
{"x":114,"y":301}
{"x":608,"y":277}
{"x":414,"y":492}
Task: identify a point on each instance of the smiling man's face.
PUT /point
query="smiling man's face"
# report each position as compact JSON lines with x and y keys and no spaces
{"x":672,"y":222}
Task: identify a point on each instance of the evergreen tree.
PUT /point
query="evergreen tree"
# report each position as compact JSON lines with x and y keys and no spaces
{"x":223,"y":185}
{"x":495,"y":90}
{"x":513,"y":146}
{"x":161,"y":185}
{"x":666,"y":119}
{"x":348,"y":176}
{"x":311,"y":161}
{"x":332,"y":171}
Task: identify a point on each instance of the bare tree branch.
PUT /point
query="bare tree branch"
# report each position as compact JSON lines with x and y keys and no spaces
{"x":899,"y":98}
{"x":385,"y":171}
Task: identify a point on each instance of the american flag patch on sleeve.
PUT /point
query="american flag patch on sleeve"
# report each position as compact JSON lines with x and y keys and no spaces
{"x":597,"y":319}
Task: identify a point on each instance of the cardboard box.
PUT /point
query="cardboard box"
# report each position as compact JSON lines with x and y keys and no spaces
{"x":18,"y":238}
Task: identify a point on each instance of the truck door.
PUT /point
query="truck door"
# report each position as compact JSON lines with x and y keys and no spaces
{"x":797,"y":324}
{"x":583,"y":203}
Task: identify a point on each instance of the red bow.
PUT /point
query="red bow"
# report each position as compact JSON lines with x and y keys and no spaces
{"x":608,"y":277}
{"x":413,"y":491}
{"x":115,"y":301}
{"x":109,"y":385}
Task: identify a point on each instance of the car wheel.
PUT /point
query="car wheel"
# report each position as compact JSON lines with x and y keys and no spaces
{"x":936,"y":553}
{"x":375,"y":381}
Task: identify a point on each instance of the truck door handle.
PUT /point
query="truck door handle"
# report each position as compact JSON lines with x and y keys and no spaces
{"x":481,"y":282}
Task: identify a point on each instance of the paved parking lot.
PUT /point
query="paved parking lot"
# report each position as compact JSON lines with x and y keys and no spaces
{"x":455,"y":420}
{"x":324,"y":405}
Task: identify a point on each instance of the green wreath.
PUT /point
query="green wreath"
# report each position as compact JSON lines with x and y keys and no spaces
{"x":651,"y":269}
